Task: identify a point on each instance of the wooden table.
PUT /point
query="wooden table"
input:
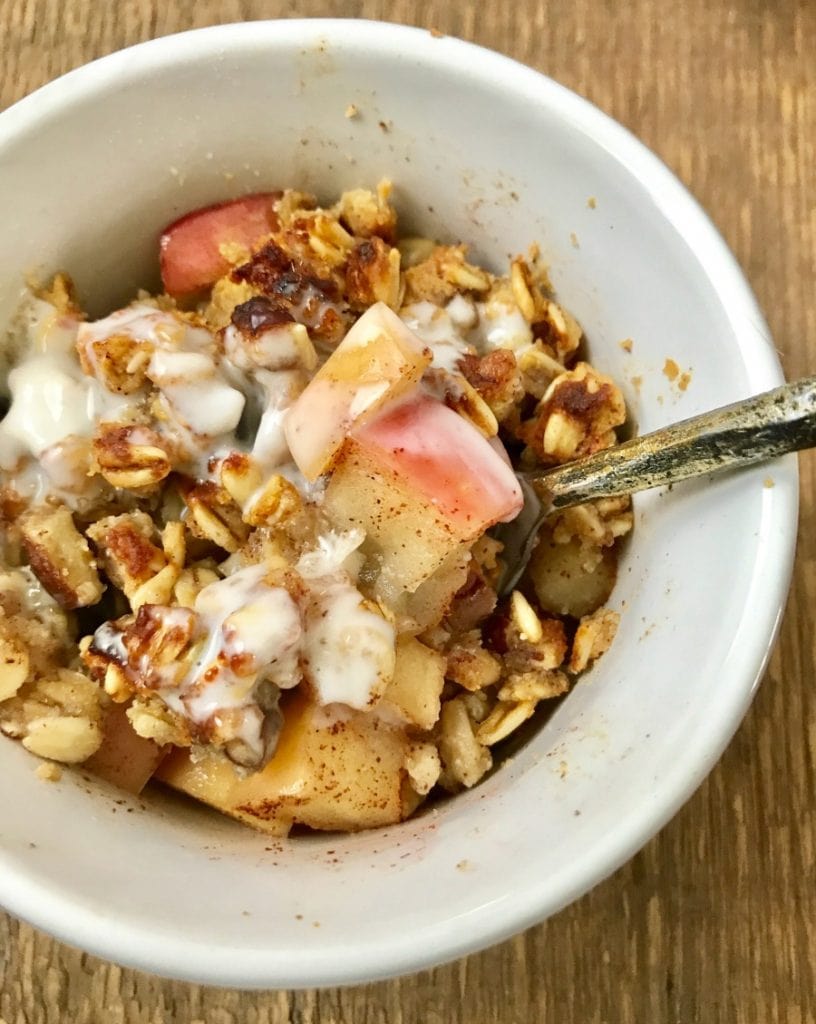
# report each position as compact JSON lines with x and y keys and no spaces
{"x":715,"y":920}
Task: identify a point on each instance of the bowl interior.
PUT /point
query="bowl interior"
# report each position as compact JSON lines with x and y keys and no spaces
{"x":484,"y":151}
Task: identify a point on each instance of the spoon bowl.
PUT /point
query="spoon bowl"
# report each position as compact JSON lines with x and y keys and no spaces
{"x":741,"y":434}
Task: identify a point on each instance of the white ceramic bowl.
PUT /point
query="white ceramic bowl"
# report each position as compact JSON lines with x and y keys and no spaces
{"x":481,"y":149}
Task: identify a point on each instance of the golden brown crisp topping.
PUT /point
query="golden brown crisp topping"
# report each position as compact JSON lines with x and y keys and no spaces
{"x":442,"y":275}
{"x":131,"y":457}
{"x":60,"y":557}
{"x":257,"y":315}
{"x":373,"y":275}
{"x":577,"y":416}
{"x":497,"y":379}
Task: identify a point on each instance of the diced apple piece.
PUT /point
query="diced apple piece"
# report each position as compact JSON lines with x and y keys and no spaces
{"x":329,"y":772}
{"x":421,"y":481}
{"x":416,"y":688}
{"x":190,"y":248}
{"x":377,"y":362}
{"x":562,"y":582}
{"x":429,"y":603}
{"x":125,"y":760}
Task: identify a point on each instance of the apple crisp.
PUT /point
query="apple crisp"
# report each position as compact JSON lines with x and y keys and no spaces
{"x":246,"y":546}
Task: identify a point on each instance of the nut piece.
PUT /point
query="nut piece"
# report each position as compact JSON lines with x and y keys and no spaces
{"x":153,"y":720}
{"x":279,"y":500}
{"x":577,"y":416}
{"x":535,"y":686}
{"x":538,"y":370}
{"x":118,"y":361}
{"x":126,"y":550}
{"x":240,"y":477}
{"x":373,"y":275}
{"x":470,"y":665}
{"x":214,"y":516}
{"x":367,"y":213}
{"x":60,"y":557}
{"x":504,"y":719}
{"x":68,"y":740}
{"x":464,"y":758}
{"x":524,"y":620}
{"x":444,"y":273}
{"x":497,"y":379}
{"x":157,"y":590}
{"x":558,"y":330}
{"x":593,"y":638}
{"x":130,"y":457}
{"x":423,"y":767}
{"x":14,"y":665}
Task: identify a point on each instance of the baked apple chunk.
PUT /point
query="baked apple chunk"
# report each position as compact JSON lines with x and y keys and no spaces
{"x":334,"y":769}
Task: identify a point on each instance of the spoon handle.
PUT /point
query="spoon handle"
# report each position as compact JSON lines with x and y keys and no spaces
{"x":752,"y":430}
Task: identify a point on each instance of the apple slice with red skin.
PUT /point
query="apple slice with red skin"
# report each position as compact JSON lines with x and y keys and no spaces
{"x":443,"y":457}
{"x":421,"y":481}
{"x":377,"y":362}
{"x":190,"y":247}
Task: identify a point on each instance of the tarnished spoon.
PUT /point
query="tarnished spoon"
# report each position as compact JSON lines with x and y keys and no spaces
{"x":753,"y":430}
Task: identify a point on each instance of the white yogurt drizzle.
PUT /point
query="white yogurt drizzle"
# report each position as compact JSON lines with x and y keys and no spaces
{"x":249,"y":633}
{"x":464,"y":327}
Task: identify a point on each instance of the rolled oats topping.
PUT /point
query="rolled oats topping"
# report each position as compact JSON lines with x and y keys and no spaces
{"x":246,"y":523}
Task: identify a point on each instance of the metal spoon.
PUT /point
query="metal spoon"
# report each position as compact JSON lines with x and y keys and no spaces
{"x":753,"y":430}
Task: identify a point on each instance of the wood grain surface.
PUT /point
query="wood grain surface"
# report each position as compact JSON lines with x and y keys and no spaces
{"x":715,"y":920}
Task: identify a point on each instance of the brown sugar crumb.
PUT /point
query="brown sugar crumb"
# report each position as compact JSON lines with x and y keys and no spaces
{"x":592,"y":202}
{"x":768,"y":482}
{"x":385,"y":126}
{"x":49,"y":771}
{"x":352,"y":111}
{"x":574,"y":240}
{"x":685,"y":380}
{"x":626,"y":344}
{"x":637,"y":383}
{"x":671,"y":369}
{"x":436,"y":33}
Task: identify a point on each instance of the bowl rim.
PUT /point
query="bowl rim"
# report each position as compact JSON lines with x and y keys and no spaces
{"x":50,"y":908}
